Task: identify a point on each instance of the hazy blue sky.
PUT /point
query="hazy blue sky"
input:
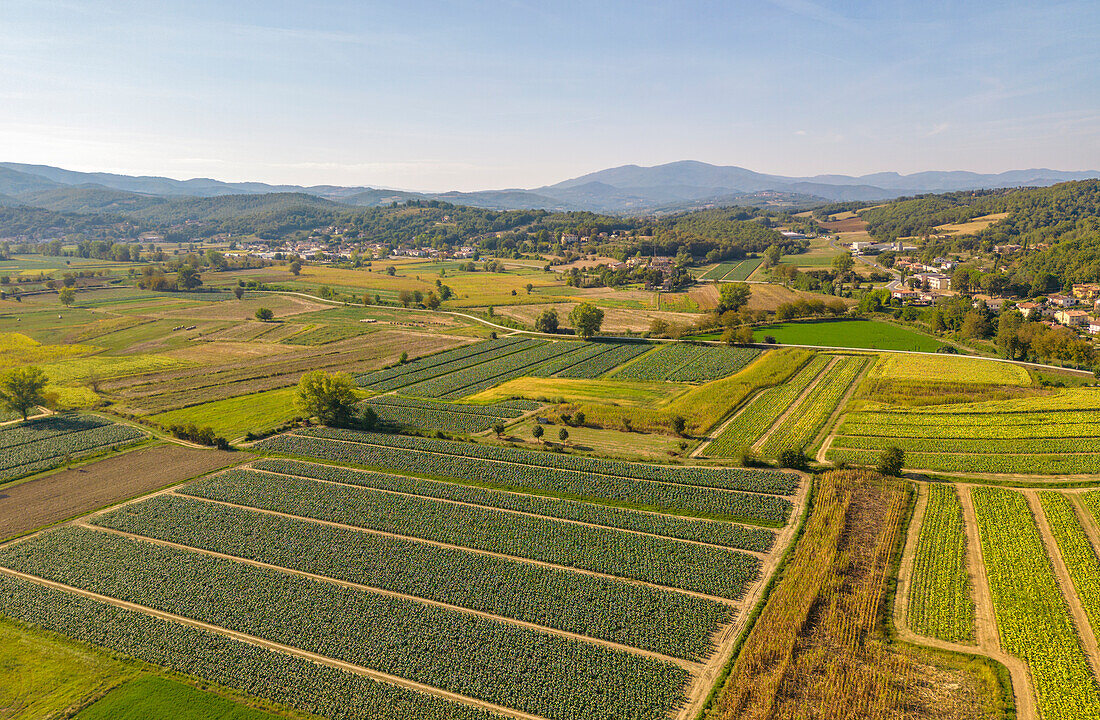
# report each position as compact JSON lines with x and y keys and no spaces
{"x":438,"y":95}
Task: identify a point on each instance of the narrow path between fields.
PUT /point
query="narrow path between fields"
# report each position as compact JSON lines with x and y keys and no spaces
{"x":833,"y":423}
{"x":721,"y":427}
{"x":448,"y":546}
{"x":495,"y":508}
{"x":274,"y":646}
{"x":686,"y":664}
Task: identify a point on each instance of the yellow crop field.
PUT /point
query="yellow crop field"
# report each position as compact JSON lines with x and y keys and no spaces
{"x":18,"y":349}
{"x":973,"y":226}
{"x":948,"y":368}
{"x":580,"y":390}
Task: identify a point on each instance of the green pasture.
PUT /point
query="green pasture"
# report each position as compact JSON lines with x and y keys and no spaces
{"x":234,"y":417}
{"x":157,"y":698}
{"x":870,"y":334}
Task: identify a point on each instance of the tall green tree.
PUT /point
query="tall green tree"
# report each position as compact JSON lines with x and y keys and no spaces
{"x":21,"y":389}
{"x":586,"y":319}
{"x":733,"y":296}
{"x":330,"y":398}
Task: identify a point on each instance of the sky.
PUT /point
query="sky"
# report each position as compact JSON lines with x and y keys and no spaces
{"x":441,"y":95}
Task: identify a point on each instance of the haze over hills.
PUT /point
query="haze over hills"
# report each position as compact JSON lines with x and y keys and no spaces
{"x":626,"y":189}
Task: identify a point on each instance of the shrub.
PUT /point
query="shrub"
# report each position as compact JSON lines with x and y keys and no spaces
{"x":795,"y":459}
{"x":891,"y":461}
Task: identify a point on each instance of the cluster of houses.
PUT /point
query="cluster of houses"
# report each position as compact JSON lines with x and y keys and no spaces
{"x":1079,"y":310}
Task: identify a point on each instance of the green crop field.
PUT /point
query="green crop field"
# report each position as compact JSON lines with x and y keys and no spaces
{"x":688,"y":363}
{"x":1076,"y":550}
{"x":48,"y":442}
{"x":151,"y":697}
{"x":1032,"y":618}
{"x":234,"y":417}
{"x":941,"y":604}
{"x":869,"y":334}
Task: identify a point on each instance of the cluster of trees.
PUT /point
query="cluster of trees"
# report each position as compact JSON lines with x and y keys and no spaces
{"x":331,"y":398}
{"x":1019,"y":339}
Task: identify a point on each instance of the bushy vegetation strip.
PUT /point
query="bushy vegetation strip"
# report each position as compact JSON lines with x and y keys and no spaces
{"x":980,"y":446}
{"x":662,"y":561}
{"x":708,"y":531}
{"x":524,"y":669}
{"x":664,"y":622}
{"x":941,"y":604}
{"x":1032,"y":617}
{"x":293,"y":681}
{"x":571,"y":484}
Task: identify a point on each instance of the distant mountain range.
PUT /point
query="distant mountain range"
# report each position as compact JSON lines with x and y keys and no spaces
{"x":628,"y":189}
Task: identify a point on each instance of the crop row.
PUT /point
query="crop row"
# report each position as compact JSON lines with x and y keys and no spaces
{"x":499,"y":410}
{"x":562,"y":363}
{"x":662,"y":561}
{"x":414,"y":418}
{"x":1032,"y":616}
{"x":446,"y":357}
{"x":425,"y":373}
{"x":980,"y":446}
{"x":940,"y":601}
{"x":615,"y":356}
{"x":639,"y":494}
{"x":525,"y":669}
{"x":49,"y":452}
{"x":805,"y":422}
{"x":763,"y":411}
{"x":48,"y":427}
{"x":681,"y":362}
{"x":709,"y":531}
{"x":1076,"y":550}
{"x":519,"y":404}
{"x":992,"y":431}
{"x":662,"y":621}
{"x":1033,"y":464}
{"x":299,"y":683}
{"x":763,"y":481}
{"x":718,"y":271}
{"x":456,"y":384}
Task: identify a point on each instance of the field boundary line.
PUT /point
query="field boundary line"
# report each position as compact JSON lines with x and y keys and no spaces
{"x":688,"y":665}
{"x":450,"y":546}
{"x":818,"y":379}
{"x":273,"y":646}
{"x":1085,"y":634}
{"x":524,"y":513}
{"x":908,"y":561}
{"x":294,"y":433}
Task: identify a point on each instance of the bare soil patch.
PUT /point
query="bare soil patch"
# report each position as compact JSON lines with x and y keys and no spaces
{"x":63,"y":495}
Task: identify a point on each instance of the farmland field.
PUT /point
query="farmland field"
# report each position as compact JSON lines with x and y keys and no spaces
{"x":558,"y":607}
{"x":688,"y":363}
{"x":940,"y":601}
{"x":50,"y":441}
{"x":1032,"y":617}
{"x":1042,"y":435}
{"x":869,"y":334}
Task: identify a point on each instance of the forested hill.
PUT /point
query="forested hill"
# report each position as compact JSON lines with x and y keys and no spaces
{"x":1058,"y":228}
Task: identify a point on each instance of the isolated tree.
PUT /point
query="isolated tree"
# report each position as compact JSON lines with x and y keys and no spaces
{"x":367,"y":299}
{"x":679,"y":425}
{"x":330,"y":398}
{"x":295,"y":267}
{"x":536,"y":432}
{"x":21,"y":389}
{"x":530,"y":287}
{"x":239,"y":292}
{"x":404,"y":357}
{"x":368,"y":419}
{"x":563,"y":434}
{"x":586,"y":319}
{"x":795,"y":459}
{"x":578,"y":419}
{"x":391,"y":271}
{"x":772,"y":255}
{"x":547,"y":321}
{"x":188,"y":278}
{"x":67,"y":296}
{"x":264,"y":314}
{"x":432,"y":301}
{"x":405,"y":298}
{"x":733,"y":296}
{"x":891,"y":461}
{"x":498,"y":428}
